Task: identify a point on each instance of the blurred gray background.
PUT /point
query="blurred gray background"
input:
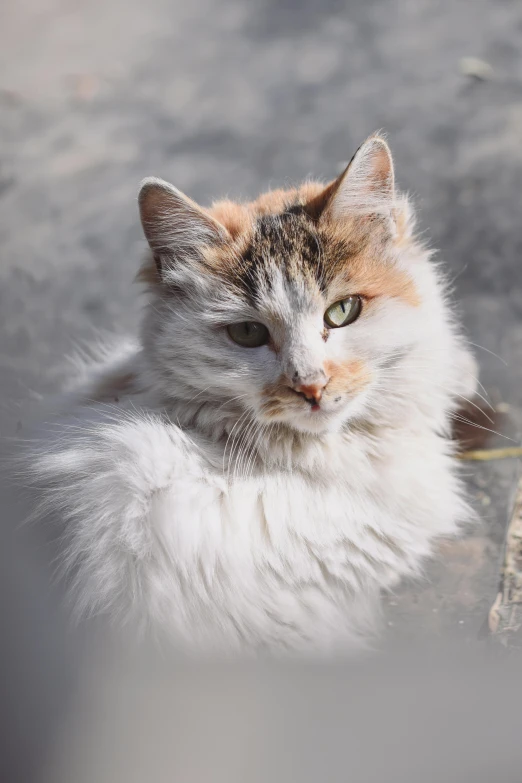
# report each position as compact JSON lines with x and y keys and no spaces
{"x":227,"y":97}
{"x":230,"y":97}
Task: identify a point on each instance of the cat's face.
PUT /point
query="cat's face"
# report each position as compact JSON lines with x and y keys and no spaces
{"x":293,"y":309}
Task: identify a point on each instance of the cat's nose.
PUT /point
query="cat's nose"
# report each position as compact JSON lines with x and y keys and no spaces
{"x":311,"y":390}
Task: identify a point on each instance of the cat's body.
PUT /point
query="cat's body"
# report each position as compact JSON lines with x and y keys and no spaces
{"x":256,"y":488}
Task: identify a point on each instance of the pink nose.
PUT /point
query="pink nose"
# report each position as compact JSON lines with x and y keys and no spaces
{"x":311,"y":391}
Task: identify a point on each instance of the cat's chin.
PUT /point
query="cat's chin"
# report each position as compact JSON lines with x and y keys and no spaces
{"x":316,"y":423}
{"x":323,"y":422}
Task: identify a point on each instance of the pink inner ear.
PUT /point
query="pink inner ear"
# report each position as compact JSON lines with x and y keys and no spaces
{"x":366,"y":185}
{"x":172,"y":220}
{"x":152,"y":203}
{"x":381,"y":176}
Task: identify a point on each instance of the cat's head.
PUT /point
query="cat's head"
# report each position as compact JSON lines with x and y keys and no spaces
{"x":294,"y":308}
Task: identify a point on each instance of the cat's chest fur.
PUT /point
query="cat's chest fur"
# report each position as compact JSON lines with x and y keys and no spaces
{"x":159,"y":532}
{"x":348,"y":530}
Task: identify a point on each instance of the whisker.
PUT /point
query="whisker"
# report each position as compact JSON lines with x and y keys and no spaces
{"x":245,"y":413}
{"x":232,"y":399}
{"x":477,"y":407}
{"x":388,"y":372}
{"x":249,"y":450}
{"x":251,"y":464}
{"x":476,"y":345}
{"x":240,"y":440}
{"x":463,"y":419}
{"x":249,"y":434}
{"x":197,"y":395}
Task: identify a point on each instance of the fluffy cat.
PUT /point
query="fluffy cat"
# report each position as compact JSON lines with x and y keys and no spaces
{"x":275,"y":450}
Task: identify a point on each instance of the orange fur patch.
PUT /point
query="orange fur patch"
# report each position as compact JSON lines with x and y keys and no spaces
{"x":239,"y":219}
{"x":352,"y":376}
{"x":369,"y":271}
{"x":371,"y":278}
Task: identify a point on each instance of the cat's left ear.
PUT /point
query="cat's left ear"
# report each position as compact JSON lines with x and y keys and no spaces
{"x":366,"y":186}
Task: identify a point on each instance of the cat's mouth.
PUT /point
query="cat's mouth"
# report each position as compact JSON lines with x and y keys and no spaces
{"x":302,"y":412}
{"x":314,"y":400}
{"x":314,"y":411}
{"x":322,"y":405}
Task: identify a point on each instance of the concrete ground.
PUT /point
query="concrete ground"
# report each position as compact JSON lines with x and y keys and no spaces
{"x":229,"y":97}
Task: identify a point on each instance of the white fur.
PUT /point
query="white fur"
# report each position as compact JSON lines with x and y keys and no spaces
{"x":186,"y":513}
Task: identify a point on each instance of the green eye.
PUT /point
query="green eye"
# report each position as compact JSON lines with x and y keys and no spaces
{"x":249,"y":334}
{"x":344,"y":312}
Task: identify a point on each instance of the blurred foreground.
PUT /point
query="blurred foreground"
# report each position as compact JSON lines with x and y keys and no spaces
{"x":86,"y":706}
{"x":419,"y":718}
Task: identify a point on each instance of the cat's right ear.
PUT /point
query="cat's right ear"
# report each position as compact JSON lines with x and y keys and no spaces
{"x":176,"y":228}
{"x":365,"y":187}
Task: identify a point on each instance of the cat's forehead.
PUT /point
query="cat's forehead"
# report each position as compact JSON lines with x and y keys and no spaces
{"x":284,"y":247}
{"x":290,"y":251}
{"x":284,"y":235}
